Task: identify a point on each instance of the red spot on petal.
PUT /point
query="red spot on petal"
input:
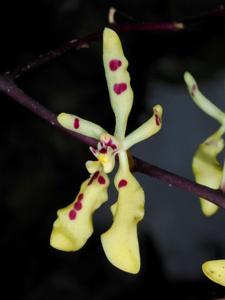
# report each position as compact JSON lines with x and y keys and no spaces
{"x":78,"y":205}
{"x":114,"y":64}
{"x":76,"y":123}
{"x":103,"y":150}
{"x":80,"y":197}
{"x":110,"y":144}
{"x":101,"y":180}
{"x":119,"y":88}
{"x":93,"y":177}
{"x":122,"y":183}
{"x":157,"y":120}
{"x":72,"y":214}
{"x":193,"y":90}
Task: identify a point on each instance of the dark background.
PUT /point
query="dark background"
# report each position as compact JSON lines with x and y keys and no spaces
{"x":41,"y":168}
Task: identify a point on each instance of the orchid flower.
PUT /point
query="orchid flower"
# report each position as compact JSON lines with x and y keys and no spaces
{"x":206,"y":168}
{"x":74,"y":226}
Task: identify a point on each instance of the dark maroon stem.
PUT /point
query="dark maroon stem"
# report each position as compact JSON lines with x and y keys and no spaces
{"x":53,"y":54}
{"x":215,"y":196}
{"x":76,"y":44}
{"x":157,"y":27}
{"x":8,"y":87}
{"x":218,"y":12}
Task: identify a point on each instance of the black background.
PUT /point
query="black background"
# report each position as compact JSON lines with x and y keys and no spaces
{"x":41,"y":168}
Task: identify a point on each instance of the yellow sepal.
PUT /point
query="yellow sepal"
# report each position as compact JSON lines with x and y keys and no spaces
{"x":118,"y":80}
{"x":120,"y":242}
{"x":146,"y":130}
{"x":74,"y":225}
{"x":215,"y":270}
{"x":207,"y":170}
{"x":201,"y":101}
{"x":80,"y":125}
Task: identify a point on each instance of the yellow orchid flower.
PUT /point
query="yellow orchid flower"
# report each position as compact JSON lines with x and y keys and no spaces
{"x":74,"y":226}
{"x":206,"y":168}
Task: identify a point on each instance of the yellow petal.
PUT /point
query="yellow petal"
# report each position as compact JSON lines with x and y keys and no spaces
{"x":118,"y":80}
{"x":93,"y":166}
{"x":146,"y":130}
{"x":74,"y":225}
{"x":120,"y":242}
{"x":215,"y":270}
{"x":207,"y":169}
{"x":80,"y":125}
{"x":203,"y":103}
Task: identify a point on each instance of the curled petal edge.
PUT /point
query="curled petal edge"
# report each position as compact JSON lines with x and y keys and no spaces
{"x":207,"y":170}
{"x":74,"y":225}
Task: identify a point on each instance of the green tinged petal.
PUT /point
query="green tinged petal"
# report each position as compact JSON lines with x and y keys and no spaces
{"x":201,"y":101}
{"x":74,"y":225}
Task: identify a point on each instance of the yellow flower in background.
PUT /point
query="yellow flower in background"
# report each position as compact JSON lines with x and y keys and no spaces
{"x":74,"y":225}
{"x":215,"y":270}
{"x":206,"y":168}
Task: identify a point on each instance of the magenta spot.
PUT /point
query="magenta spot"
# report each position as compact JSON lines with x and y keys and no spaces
{"x":101,"y":180}
{"x":157,"y":120}
{"x":78,"y":205}
{"x":72,"y":214}
{"x":110,"y":144}
{"x":76,"y":123}
{"x":119,"y":88}
{"x":122,"y":183}
{"x":93,"y":177}
{"x":193,"y":90}
{"x":114,"y":64}
{"x":194,"y":87}
{"x":103,"y":151}
{"x":80,"y":197}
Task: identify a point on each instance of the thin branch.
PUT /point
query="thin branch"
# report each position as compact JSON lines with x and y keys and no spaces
{"x":8,"y":87}
{"x":155,"y":27}
{"x":53,"y":54}
{"x":97,"y":35}
{"x":78,"y":43}
{"x":218,"y":12}
{"x":215,"y":196}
